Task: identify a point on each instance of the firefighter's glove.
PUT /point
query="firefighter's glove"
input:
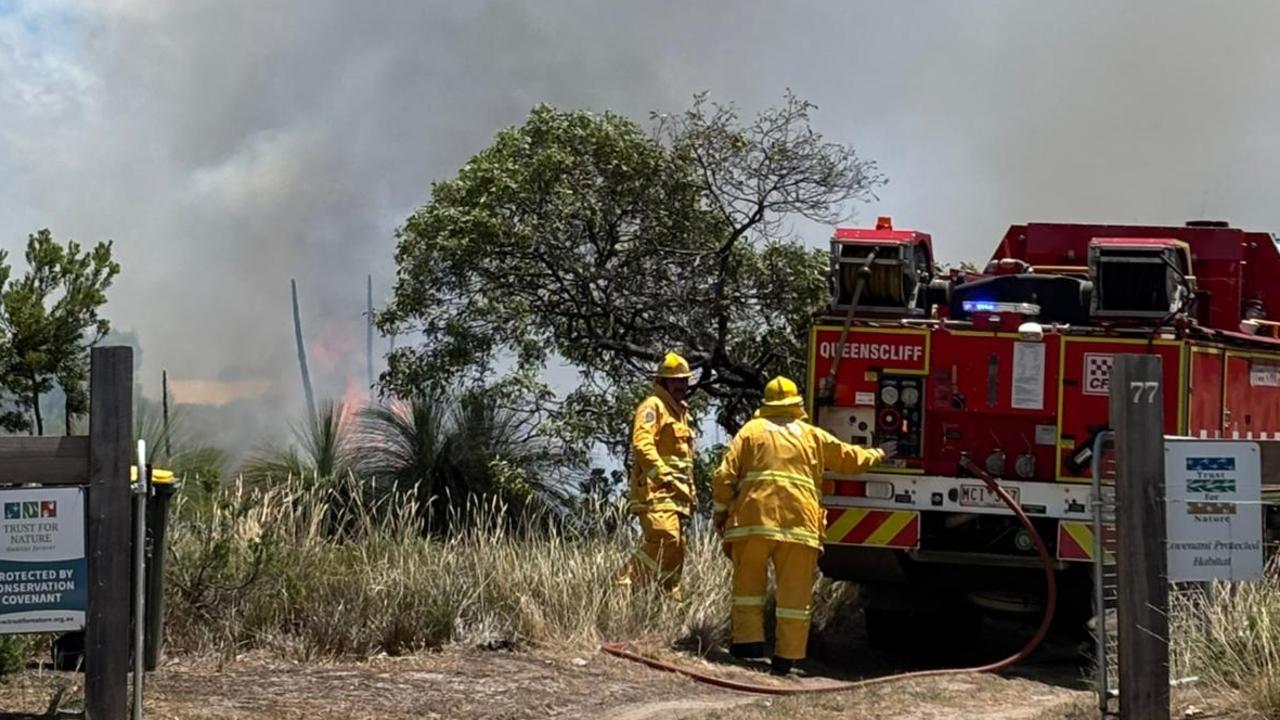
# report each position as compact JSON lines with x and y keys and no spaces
{"x":889,"y":448}
{"x":718,"y":520}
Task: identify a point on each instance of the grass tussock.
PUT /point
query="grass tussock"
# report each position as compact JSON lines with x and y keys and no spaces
{"x":1229,"y":637}
{"x":307,"y":570}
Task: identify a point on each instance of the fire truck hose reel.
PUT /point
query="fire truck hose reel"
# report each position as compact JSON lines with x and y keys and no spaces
{"x":827,"y":386}
{"x":618,"y":650}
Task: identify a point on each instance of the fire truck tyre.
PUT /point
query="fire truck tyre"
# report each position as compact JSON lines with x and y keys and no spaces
{"x":924,"y":635}
{"x":952,"y":635}
{"x":1075,"y":609}
{"x":888,"y":631}
{"x":965,"y":627}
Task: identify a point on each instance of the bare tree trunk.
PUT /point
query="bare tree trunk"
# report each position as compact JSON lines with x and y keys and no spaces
{"x":302,"y":353}
{"x":369,"y":337}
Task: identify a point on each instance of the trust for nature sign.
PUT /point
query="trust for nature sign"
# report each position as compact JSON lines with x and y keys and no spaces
{"x":1213,"y":492}
{"x":43,"y":574}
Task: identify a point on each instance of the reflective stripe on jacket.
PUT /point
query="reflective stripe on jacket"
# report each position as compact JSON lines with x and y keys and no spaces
{"x":770,"y":481}
{"x":662,"y":456}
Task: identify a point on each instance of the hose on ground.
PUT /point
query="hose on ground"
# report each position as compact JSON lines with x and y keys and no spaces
{"x":617,"y":650}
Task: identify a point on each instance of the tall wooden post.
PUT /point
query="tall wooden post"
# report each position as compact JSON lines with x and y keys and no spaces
{"x":1137,"y":417}
{"x":164,"y":406}
{"x":110,"y":447}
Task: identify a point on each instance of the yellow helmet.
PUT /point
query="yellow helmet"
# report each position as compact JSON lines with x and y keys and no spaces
{"x":782,"y":392}
{"x":673,"y":366}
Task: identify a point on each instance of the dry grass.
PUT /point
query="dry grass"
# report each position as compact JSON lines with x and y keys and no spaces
{"x":1230,"y":639}
{"x":271,"y":570}
{"x":302,"y":571}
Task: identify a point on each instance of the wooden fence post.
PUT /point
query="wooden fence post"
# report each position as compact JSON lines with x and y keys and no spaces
{"x":110,"y":449}
{"x":1137,"y":417}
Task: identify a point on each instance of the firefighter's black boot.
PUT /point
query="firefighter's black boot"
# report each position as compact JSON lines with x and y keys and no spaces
{"x":747,"y":651}
{"x":782,"y":666}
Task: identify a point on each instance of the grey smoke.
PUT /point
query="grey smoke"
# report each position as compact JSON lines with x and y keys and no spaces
{"x":227,"y":146}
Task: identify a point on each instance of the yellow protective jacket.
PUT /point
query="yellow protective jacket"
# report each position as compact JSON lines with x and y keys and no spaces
{"x":662,"y":456}
{"x":770,"y":481}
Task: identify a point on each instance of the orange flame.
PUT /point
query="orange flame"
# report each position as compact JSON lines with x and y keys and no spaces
{"x":354,"y":399}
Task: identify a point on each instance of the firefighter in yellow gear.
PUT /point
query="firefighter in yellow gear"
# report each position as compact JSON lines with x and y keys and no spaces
{"x":767,"y":507}
{"x":662,"y":493}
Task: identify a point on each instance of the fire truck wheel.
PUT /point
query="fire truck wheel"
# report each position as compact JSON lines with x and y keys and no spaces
{"x":1075,"y":608}
{"x":924,"y":635}
{"x":954,"y":635}
{"x":886,"y":629}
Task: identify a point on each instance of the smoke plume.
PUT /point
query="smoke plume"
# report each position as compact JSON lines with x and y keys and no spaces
{"x":227,"y":146}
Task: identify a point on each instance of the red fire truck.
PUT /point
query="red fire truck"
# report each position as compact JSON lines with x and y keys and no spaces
{"x":1009,"y":367}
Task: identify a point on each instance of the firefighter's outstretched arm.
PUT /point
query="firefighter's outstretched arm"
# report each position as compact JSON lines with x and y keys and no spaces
{"x":847,"y":459}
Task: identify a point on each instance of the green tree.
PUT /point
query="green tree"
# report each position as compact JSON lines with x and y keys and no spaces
{"x":49,"y":317}
{"x":962,"y":267}
{"x":583,"y":238}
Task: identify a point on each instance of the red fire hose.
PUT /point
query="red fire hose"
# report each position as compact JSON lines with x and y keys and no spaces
{"x":1050,"y":606}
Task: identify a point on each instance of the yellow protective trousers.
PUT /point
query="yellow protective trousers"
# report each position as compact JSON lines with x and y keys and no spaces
{"x":661,"y":551}
{"x":794,"y":565}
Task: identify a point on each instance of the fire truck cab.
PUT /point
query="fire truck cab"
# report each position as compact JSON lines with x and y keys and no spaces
{"x":1009,"y":367}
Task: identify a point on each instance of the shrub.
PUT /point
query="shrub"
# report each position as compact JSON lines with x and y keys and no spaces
{"x":15,"y":653}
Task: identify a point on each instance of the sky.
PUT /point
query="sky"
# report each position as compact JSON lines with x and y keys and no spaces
{"x":227,"y":146}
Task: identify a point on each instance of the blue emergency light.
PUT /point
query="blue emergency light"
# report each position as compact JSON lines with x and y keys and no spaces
{"x":988,"y":306}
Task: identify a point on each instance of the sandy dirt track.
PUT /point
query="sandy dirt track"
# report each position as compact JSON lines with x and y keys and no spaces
{"x":501,"y":685}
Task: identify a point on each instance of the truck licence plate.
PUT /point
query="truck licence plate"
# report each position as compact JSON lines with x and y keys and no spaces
{"x":983,"y":496}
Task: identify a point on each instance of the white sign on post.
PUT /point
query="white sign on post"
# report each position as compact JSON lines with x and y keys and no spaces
{"x":1213,"y":492}
{"x":43,"y":573}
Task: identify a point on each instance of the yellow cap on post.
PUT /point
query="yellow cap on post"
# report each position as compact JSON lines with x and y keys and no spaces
{"x":158,"y":476}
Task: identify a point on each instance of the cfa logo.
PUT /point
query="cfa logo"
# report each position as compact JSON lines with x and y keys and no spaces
{"x":1097,"y":374}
